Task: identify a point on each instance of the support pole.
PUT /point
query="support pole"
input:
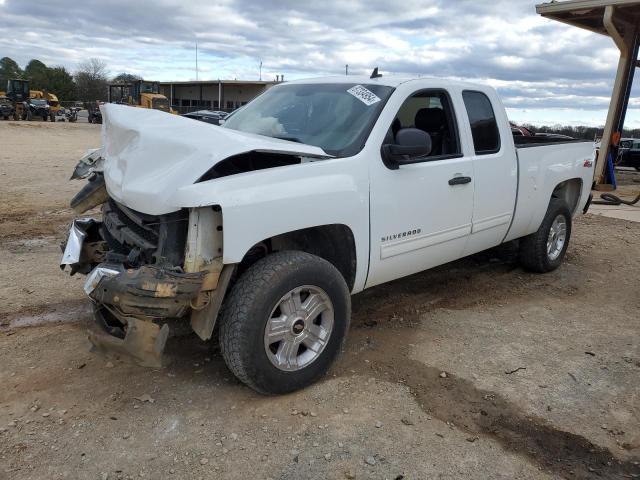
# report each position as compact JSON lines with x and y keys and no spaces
{"x":629,"y":81}
{"x":619,"y":96}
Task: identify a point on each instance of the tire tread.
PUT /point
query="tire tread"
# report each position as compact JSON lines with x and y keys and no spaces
{"x":533,"y":248}
{"x":236,"y":309}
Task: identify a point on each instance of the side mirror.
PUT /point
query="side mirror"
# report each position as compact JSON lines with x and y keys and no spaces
{"x":411,"y":143}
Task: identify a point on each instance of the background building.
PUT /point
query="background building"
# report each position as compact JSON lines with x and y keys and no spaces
{"x":224,"y":95}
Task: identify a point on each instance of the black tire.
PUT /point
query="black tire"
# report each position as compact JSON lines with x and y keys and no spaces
{"x":250,"y":304}
{"x":533,"y":248}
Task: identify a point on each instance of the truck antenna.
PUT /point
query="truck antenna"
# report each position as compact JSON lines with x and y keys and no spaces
{"x":375,"y":73}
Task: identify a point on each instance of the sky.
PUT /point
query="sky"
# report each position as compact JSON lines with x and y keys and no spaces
{"x":544,"y":71}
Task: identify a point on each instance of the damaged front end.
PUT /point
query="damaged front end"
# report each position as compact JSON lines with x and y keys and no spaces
{"x":149,"y":260}
{"x":130,"y":304}
{"x":143,"y":270}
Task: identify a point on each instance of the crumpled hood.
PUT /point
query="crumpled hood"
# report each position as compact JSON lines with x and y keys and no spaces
{"x":150,"y":154}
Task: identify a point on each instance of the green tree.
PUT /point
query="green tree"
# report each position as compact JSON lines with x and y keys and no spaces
{"x":37,"y":74}
{"x":60,"y":82}
{"x":8,"y":69}
{"x":54,"y":80}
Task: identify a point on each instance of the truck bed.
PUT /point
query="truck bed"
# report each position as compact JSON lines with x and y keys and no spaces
{"x":543,"y":164}
{"x":522,"y":141}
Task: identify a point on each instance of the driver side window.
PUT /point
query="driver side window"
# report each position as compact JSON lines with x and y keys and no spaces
{"x":431,"y":112}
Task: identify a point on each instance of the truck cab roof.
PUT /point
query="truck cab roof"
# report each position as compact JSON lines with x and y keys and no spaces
{"x":386,"y":80}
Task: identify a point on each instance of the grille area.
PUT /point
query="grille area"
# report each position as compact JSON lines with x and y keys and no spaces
{"x":137,"y":238}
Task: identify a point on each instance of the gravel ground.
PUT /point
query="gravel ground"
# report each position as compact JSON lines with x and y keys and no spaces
{"x":475,"y":369}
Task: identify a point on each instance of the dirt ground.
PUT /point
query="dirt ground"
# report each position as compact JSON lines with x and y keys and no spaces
{"x":476,"y":369}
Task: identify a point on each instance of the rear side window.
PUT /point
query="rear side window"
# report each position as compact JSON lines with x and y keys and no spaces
{"x":484,"y":128}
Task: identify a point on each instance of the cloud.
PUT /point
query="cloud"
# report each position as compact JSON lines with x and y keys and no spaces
{"x":537,"y":65}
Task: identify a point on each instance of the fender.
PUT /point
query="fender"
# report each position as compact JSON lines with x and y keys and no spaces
{"x":261,"y":204}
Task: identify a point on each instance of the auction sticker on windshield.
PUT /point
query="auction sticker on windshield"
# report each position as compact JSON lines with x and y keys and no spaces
{"x":365,"y":96}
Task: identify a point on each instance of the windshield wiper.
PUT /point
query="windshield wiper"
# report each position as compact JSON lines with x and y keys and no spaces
{"x":285,"y":137}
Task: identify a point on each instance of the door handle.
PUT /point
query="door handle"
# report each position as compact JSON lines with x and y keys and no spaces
{"x":459,"y":180}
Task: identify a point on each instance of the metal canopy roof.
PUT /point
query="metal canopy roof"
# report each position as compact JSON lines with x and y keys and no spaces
{"x":620,"y":20}
{"x":588,"y":14}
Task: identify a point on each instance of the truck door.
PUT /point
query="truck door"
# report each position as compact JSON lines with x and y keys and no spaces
{"x":495,"y":170}
{"x":420,"y":213}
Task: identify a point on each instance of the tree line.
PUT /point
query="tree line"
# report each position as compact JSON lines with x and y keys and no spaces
{"x":87,"y":83}
{"x":581,"y":132}
{"x":90,"y":80}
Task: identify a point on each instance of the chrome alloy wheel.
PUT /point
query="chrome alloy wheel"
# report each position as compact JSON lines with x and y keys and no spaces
{"x":298,"y":328}
{"x":557,"y":237}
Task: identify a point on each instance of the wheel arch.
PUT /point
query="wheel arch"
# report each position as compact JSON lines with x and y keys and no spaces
{"x":333,"y":242}
{"x":570,"y":191}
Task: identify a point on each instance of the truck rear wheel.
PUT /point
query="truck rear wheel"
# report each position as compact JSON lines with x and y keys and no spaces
{"x":285,"y":322}
{"x":544,"y":250}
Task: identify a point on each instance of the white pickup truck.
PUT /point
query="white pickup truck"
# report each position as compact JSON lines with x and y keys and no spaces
{"x":314,"y":191}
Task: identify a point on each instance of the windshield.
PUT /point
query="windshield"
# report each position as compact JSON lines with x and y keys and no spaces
{"x":38,"y":102}
{"x":149,"y":87}
{"x":336,"y":117}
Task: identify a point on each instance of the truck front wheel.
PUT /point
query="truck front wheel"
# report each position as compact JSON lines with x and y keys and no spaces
{"x":544,"y":250}
{"x":285,"y":322}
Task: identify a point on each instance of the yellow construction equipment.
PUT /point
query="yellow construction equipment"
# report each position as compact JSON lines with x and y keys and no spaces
{"x":6,"y":107}
{"x":52,"y":101}
{"x":18,"y":93}
{"x":143,"y":94}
